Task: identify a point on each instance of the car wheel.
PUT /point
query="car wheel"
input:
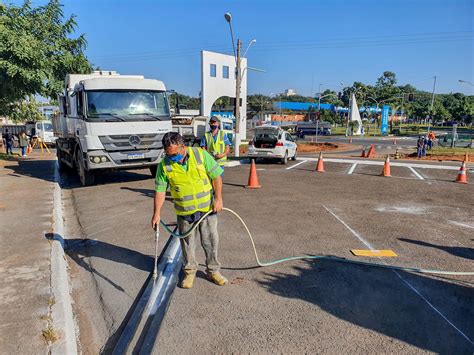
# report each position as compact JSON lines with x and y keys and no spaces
{"x":296,"y":153}
{"x":86,"y":177}
{"x":284,"y":160}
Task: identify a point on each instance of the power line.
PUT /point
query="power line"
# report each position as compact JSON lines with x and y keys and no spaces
{"x":296,"y":48}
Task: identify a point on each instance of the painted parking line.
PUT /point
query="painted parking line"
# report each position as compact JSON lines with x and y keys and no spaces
{"x":465,"y":225}
{"x":416,"y":173}
{"x":381,"y":163}
{"x":351,"y":170}
{"x":405,"y":282}
{"x":294,"y":166}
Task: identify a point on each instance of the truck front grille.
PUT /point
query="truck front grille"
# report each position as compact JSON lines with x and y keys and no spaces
{"x":129,"y":142}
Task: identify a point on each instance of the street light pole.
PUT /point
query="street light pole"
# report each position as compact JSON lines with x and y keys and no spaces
{"x":237,"y":102}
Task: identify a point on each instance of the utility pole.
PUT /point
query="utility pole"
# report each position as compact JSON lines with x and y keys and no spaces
{"x":432,"y":102}
{"x":237,"y":101}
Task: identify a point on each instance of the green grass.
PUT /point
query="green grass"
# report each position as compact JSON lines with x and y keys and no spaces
{"x":450,"y":151}
{"x":4,"y":156}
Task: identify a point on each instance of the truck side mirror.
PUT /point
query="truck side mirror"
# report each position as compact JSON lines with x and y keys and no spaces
{"x":62,"y":104}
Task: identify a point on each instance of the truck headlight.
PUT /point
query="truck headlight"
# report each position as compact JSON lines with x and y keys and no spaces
{"x":98,"y":159}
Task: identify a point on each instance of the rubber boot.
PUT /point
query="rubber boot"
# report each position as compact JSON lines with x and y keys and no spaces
{"x":217,"y":278}
{"x":188,"y":280}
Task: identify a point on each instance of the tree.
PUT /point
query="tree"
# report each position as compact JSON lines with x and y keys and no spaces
{"x":36,"y":52}
{"x":26,"y":110}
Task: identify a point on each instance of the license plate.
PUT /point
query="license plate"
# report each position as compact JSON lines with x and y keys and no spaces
{"x":266,"y":145}
{"x":135,"y":156}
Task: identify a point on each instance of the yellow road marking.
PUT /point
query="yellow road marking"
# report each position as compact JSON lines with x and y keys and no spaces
{"x":373,"y":253}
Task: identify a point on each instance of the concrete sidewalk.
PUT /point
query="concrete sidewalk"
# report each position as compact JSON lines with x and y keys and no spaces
{"x":26,"y":216}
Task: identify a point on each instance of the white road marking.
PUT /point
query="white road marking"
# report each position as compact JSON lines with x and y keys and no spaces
{"x":416,"y":173}
{"x":381,"y":163}
{"x":294,"y":166}
{"x":366,"y":243}
{"x":433,"y":307}
{"x":462,"y":224}
{"x":410,"y":286}
{"x":351,"y":170}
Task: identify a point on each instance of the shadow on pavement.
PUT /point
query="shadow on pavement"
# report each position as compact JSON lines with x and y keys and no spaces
{"x":463,"y":252}
{"x":38,"y":169}
{"x":81,"y":249}
{"x":378,"y":301}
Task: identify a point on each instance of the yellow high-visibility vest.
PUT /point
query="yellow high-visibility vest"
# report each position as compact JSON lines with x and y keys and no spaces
{"x":217,"y":146}
{"x":191,"y":190}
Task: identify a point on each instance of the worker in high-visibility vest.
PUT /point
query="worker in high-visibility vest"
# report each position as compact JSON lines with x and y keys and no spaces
{"x":216,"y":141}
{"x":194,"y":180}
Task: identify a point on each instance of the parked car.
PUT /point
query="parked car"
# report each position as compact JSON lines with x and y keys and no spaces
{"x":272,"y":143}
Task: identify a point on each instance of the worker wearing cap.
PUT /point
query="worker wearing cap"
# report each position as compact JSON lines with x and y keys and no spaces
{"x":216,"y":142}
{"x":194,"y":180}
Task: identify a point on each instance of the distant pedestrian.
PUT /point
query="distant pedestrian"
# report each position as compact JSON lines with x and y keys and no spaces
{"x":431,"y":139}
{"x":419,"y":147}
{"x":8,"y":138}
{"x":425,"y":145}
{"x":23,"y":143}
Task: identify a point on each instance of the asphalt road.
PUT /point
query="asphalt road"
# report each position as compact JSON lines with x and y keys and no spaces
{"x":297,"y":307}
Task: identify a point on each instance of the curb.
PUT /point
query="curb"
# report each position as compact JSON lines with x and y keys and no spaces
{"x":63,"y":318}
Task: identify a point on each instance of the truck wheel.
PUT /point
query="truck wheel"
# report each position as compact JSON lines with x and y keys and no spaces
{"x":153,"y":170}
{"x":284,"y":160}
{"x":87,"y":177}
{"x":62,"y":167}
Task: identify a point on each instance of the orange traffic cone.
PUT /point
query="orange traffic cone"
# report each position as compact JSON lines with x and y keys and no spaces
{"x":320,"y":166}
{"x":394,"y":141}
{"x":371,"y":153}
{"x":363,"y":153}
{"x":253,"y":178}
{"x":466,"y":158}
{"x":29,"y":149}
{"x":462,"y":175}
{"x":386,"y":168}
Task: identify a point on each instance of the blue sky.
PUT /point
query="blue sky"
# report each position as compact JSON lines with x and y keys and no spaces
{"x":299,"y":43}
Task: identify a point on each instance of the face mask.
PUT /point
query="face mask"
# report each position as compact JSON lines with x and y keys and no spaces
{"x":176,"y":158}
{"x":213,"y":127}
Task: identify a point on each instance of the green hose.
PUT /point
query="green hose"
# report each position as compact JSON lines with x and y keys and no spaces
{"x":320,"y":257}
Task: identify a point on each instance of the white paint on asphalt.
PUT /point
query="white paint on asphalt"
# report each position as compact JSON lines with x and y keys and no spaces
{"x":63,"y":319}
{"x":416,"y":173}
{"x":351,"y":170}
{"x":433,"y":307}
{"x":408,"y":284}
{"x":294,"y":166}
{"x":366,"y":243}
{"x":401,"y":209}
{"x":381,"y":163}
{"x":465,"y":225}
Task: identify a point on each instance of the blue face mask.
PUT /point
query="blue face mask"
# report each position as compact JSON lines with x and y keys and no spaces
{"x":176,"y":158}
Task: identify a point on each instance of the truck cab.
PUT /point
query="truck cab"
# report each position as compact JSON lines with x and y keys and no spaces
{"x":111,"y":121}
{"x":44,"y":130}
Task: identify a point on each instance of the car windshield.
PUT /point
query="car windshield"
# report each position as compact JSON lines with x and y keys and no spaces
{"x":127,"y":105}
{"x":227,"y":126}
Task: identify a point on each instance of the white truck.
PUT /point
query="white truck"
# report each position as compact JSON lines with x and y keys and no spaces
{"x":39,"y":129}
{"x":193,"y":128}
{"x":109,"y":121}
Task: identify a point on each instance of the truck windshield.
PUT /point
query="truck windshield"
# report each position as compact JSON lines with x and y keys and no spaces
{"x":127,"y":105}
{"x":48,"y":127}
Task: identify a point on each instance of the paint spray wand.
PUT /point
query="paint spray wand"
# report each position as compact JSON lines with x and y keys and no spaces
{"x":157,"y":237}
